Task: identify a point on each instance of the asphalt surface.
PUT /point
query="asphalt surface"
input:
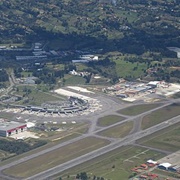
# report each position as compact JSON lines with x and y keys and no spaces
{"x":76,"y":139}
{"x":46,"y":175}
{"x":109,"y":106}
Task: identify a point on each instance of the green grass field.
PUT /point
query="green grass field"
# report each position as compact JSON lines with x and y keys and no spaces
{"x":56,"y":157}
{"x":109,"y":120}
{"x":34,"y":96}
{"x":66,"y":130}
{"x":115,"y":165}
{"x":160,"y":115}
{"x":26,"y":74}
{"x":167,"y":139}
{"x":137,"y":109}
{"x":167,"y":174}
{"x":118,"y":131}
{"x":125,"y":68}
{"x":74,"y":80}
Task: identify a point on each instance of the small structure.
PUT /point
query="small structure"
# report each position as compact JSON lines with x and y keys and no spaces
{"x":164,"y":166}
{"x":9,"y":128}
{"x":151,"y":163}
{"x":30,"y":124}
{"x":153,"y":84}
{"x":80,"y":61}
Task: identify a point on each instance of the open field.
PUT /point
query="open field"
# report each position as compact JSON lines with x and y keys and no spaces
{"x":166,"y":173}
{"x":167,"y":139}
{"x":118,"y":131}
{"x":109,"y":120}
{"x":74,"y":80}
{"x":160,"y":115}
{"x":56,"y":157}
{"x":125,"y":68}
{"x":35,"y":97}
{"x":26,"y":74}
{"x":137,"y":109}
{"x":114,"y":165}
{"x":63,"y":130}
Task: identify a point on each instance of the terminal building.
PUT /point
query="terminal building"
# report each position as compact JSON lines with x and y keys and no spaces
{"x":9,"y":128}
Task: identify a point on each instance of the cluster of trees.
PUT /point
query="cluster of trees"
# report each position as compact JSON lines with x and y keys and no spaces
{"x":92,"y":22}
{"x":2,"y":85}
{"x":3,"y":75}
{"x":49,"y":76}
{"x":17,"y":72}
{"x":107,"y":68}
{"x":84,"y":176}
{"x":19,"y":147}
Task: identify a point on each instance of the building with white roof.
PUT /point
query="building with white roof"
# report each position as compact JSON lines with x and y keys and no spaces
{"x":164,"y":166}
{"x":150,"y":161}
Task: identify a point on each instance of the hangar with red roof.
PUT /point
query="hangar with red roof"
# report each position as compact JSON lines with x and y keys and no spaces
{"x":8,"y":128}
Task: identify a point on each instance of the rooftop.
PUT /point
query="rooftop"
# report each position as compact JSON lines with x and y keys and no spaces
{"x":6,"y":125}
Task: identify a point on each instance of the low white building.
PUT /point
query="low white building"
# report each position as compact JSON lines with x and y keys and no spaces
{"x":150,"y":161}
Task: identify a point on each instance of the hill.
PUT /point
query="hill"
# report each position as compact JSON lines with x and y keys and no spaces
{"x":132,"y":26}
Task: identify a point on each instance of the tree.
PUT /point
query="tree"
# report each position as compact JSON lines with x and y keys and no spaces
{"x":77,"y":176}
{"x":83,"y":176}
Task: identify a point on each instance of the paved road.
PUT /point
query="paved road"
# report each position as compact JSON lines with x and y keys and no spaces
{"x":47,"y":175}
{"x":74,"y":140}
{"x":110,"y":107}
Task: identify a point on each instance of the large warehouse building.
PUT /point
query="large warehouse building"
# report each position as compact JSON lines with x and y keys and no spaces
{"x":9,"y":128}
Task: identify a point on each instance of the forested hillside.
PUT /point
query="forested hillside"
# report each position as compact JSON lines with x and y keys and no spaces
{"x":108,"y":24}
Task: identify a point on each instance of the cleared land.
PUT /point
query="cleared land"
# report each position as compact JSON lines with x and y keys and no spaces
{"x":160,"y":115}
{"x":125,"y":68}
{"x":118,"y":131}
{"x":35,"y":96}
{"x":114,"y":165}
{"x":137,"y":109}
{"x":109,"y":120}
{"x":56,"y":157}
{"x":74,"y":80}
{"x":168,"y":139}
{"x":64,"y":130}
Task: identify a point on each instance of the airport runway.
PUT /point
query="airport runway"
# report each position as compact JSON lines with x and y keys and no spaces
{"x":109,"y":107}
{"x":47,"y":175}
{"x":76,"y":139}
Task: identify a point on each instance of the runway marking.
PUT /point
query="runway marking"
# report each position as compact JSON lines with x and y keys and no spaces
{"x":56,"y":139}
{"x":136,"y":156}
